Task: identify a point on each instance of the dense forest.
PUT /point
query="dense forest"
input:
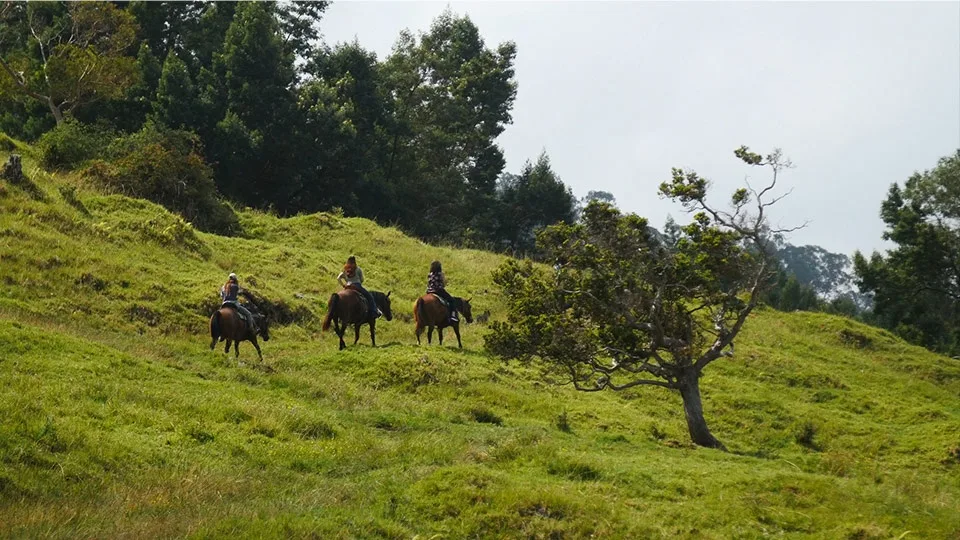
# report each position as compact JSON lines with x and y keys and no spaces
{"x":203,"y":106}
{"x":247,"y":96}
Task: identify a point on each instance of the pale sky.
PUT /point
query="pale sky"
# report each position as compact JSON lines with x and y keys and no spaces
{"x":859,"y":95}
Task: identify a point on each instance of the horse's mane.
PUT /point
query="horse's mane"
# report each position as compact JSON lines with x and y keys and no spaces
{"x":253,"y":300}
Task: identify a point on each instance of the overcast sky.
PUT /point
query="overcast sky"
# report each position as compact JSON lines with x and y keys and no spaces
{"x":859,"y":95}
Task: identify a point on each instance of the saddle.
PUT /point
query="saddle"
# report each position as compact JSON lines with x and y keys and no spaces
{"x":362,"y":297}
{"x":442,"y":301}
{"x":445,"y":304}
{"x":232,"y":304}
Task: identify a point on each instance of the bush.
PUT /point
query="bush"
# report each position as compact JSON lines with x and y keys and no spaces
{"x":166,"y":167}
{"x":72,"y":143}
{"x":804,"y":433}
{"x":6,"y":145}
{"x":485,"y":416}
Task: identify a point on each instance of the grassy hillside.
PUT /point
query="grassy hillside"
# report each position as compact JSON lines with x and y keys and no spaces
{"x":116,"y":420}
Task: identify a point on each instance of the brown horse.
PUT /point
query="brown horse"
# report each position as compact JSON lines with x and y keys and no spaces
{"x":227,"y":325}
{"x":429,"y":312}
{"x":347,"y":307}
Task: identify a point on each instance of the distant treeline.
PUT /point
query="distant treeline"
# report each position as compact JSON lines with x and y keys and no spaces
{"x":248,"y":102}
{"x":203,"y":105}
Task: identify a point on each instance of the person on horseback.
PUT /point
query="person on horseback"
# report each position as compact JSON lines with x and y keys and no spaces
{"x":436,"y":284}
{"x":352,"y":276}
{"x":228,"y":297}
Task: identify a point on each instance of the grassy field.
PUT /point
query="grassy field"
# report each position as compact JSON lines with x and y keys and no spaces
{"x":116,"y":420}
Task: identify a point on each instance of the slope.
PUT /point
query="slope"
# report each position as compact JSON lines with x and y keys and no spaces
{"x":118,"y":421}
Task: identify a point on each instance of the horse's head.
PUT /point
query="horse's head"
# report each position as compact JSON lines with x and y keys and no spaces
{"x":264,"y":327}
{"x":384,"y":304}
{"x":466,"y":309}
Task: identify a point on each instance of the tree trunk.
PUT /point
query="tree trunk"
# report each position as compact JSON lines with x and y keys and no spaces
{"x":57,"y":115}
{"x":693,"y":409}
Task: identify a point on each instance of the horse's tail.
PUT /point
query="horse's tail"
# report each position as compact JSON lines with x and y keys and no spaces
{"x":215,"y":326}
{"x":418,"y":313}
{"x":331,"y":307}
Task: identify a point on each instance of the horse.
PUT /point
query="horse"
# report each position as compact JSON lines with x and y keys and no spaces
{"x":227,"y":325}
{"x":428,"y":311}
{"x":348,"y":307}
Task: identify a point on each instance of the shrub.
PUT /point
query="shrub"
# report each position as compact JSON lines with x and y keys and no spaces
{"x":72,"y":143}
{"x":6,"y":145}
{"x":166,"y":167}
{"x":485,"y":416}
{"x":804,"y":434}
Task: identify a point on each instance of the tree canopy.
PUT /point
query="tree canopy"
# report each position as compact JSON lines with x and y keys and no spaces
{"x":67,"y":55}
{"x":620,"y":309}
{"x":285,"y":121}
{"x":916,"y":286}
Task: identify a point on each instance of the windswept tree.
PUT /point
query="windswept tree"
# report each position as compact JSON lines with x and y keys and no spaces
{"x":620,"y":310}
{"x":67,"y":55}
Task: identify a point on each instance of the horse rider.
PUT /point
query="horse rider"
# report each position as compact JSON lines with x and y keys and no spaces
{"x":352,"y":276}
{"x":436,"y":284}
{"x":228,"y":297}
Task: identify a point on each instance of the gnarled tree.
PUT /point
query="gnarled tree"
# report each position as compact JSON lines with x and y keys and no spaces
{"x":621,"y":310}
{"x":67,"y":54}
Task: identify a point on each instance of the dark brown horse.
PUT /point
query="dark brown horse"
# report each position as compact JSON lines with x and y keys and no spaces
{"x":227,"y":325}
{"x":347,"y":307}
{"x":429,"y":312}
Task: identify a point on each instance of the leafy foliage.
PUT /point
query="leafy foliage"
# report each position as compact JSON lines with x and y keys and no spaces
{"x":176,"y":104}
{"x":72,"y":143}
{"x":167,"y":167}
{"x":916,"y":286}
{"x":602,"y":196}
{"x":788,"y":294}
{"x":287,"y":122}
{"x":530,"y":201}
{"x":72,"y":54}
{"x":621,"y":310}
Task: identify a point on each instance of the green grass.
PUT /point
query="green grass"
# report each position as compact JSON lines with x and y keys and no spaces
{"x":116,"y":420}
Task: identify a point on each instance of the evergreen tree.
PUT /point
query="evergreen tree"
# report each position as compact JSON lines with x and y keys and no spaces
{"x":916,"y":286}
{"x":175,"y":104}
{"x":253,"y":137}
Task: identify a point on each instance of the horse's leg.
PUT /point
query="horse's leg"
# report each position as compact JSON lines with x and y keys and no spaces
{"x":373,"y":332}
{"x":440,"y":334}
{"x":418,"y":331}
{"x":430,"y":335}
{"x":456,"y":330}
{"x":336,"y":330}
{"x":341,"y":330}
{"x":356,"y":333}
{"x":236,"y":348}
{"x":227,"y":349}
{"x":257,"y":347}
